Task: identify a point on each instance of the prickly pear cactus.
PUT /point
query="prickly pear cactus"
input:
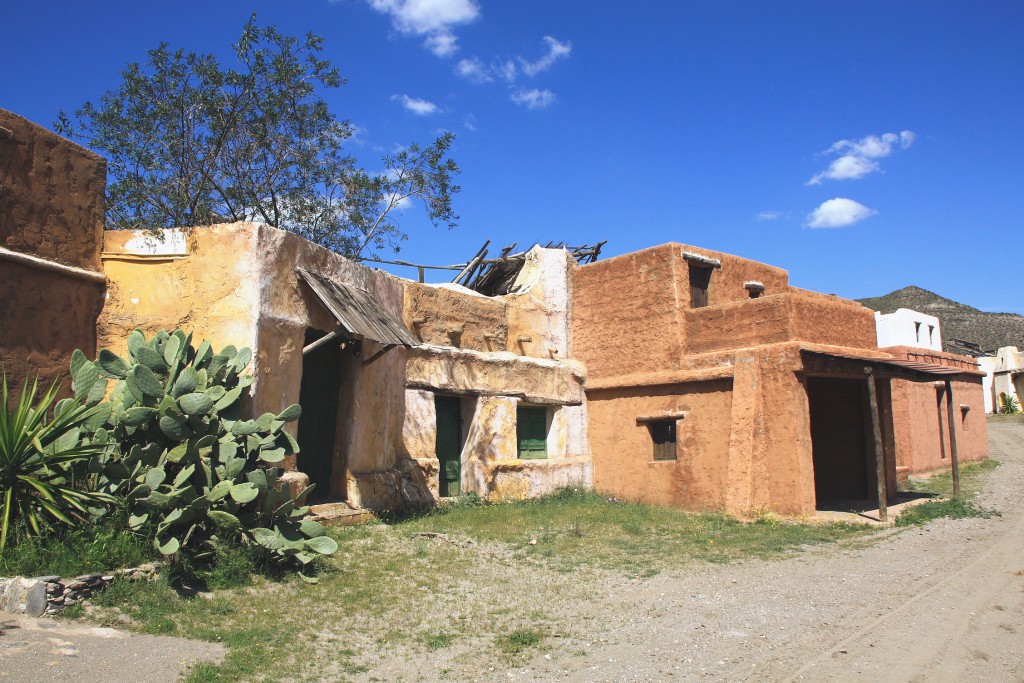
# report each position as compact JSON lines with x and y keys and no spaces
{"x":179,"y":451}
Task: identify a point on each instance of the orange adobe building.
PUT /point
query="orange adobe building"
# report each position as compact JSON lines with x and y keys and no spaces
{"x":714,"y":384}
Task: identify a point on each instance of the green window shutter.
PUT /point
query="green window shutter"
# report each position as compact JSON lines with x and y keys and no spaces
{"x":532,"y":432}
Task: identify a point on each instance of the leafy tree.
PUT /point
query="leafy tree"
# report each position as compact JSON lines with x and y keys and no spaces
{"x":189,"y":142}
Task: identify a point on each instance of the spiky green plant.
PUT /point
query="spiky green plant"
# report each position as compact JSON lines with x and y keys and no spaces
{"x":178,"y":449}
{"x":1008,"y":405}
{"x":38,"y":456}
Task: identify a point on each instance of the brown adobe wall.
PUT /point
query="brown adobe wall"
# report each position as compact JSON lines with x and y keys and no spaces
{"x":624,"y":464}
{"x":44,"y":317}
{"x":630,"y":312}
{"x":920,"y":415}
{"x":51,"y":204}
{"x":625,"y":314}
{"x":746,"y":444}
{"x":51,"y":208}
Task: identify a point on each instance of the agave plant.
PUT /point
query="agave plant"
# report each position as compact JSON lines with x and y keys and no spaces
{"x":1008,"y":405}
{"x":38,"y":456}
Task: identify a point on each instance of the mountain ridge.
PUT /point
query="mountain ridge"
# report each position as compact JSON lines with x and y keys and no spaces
{"x":958,"y":321}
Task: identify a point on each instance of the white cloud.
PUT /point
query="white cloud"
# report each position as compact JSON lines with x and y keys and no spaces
{"x":838,"y":213}
{"x":506,"y":71}
{"x":533,"y":99}
{"x":769,"y":215}
{"x":556,"y":50}
{"x":473,"y":70}
{"x":858,"y":157}
{"x":416,"y":105}
{"x":433,"y":19}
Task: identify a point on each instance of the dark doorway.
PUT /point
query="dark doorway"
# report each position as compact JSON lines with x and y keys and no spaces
{"x":700,"y":279}
{"x":318,"y":425}
{"x":838,"y":440}
{"x":448,"y":445}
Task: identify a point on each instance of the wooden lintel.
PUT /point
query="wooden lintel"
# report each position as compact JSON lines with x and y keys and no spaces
{"x":667,"y":415}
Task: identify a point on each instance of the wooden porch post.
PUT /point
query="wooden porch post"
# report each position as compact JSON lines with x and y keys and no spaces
{"x":876,"y":431}
{"x":954,"y":460}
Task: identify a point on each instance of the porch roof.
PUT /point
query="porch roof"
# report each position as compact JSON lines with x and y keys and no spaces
{"x":896,"y":367}
{"x":357,"y":312}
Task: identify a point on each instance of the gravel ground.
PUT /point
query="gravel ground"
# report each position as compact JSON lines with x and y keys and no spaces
{"x":935,"y":603}
{"x":939,"y":603}
{"x":47,"y":650}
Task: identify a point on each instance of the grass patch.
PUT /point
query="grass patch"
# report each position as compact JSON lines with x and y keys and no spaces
{"x":66,"y":551}
{"x":438,"y":641}
{"x":956,"y":508}
{"x":577,"y":527}
{"x":941,"y":483}
{"x":519,"y":640}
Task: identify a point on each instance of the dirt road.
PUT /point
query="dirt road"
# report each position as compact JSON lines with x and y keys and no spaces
{"x":940,"y":603}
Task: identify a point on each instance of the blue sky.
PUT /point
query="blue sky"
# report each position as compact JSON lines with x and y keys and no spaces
{"x":744,"y":127}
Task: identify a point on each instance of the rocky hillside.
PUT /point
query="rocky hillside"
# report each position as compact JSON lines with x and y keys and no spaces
{"x":959,"y":321}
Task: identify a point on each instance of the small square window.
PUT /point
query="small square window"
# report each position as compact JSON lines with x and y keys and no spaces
{"x":663,"y":434}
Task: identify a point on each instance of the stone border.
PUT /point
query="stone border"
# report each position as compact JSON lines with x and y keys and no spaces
{"x":50,"y":594}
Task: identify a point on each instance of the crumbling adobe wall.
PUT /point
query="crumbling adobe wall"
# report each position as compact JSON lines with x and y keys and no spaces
{"x":51,"y":209}
{"x":538,"y":311}
{"x":450,"y":315}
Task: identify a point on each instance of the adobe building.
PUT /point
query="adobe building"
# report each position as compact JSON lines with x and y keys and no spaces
{"x":51,"y":224}
{"x":674,"y":375}
{"x":923,"y":412}
{"x":410,"y":392}
{"x":1004,"y":377}
{"x":713,"y":384}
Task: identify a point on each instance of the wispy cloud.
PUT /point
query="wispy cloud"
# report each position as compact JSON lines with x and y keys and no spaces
{"x":556,"y":50}
{"x":416,"y":105}
{"x":435,"y":20}
{"x":533,"y":99}
{"x":475,"y":70}
{"x":769,"y":216}
{"x":859,"y":157}
{"x":838,"y":213}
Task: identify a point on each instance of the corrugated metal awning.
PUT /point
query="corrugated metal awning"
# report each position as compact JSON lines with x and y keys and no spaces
{"x":924,"y":371}
{"x":357,"y":312}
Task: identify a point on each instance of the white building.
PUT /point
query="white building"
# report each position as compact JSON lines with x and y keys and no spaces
{"x":905,"y":327}
{"x":1004,"y":374}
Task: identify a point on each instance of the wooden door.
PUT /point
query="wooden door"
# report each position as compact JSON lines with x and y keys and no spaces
{"x":448,"y":445}
{"x":318,"y":425}
{"x":700,"y":278}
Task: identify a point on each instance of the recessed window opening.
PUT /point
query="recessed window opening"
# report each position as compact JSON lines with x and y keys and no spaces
{"x":532,"y":432}
{"x":931,"y":334}
{"x":917,"y":331}
{"x":663,"y":435}
{"x":700,"y":279}
{"x":754,"y":288}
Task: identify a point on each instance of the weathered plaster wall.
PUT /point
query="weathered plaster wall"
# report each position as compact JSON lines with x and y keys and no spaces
{"x":539,"y":311}
{"x":449,"y":315}
{"x":51,"y":205}
{"x":51,"y":210}
{"x":205,"y":284}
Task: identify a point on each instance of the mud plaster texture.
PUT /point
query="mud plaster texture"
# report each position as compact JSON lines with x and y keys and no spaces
{"x":51,"y":207}
{"x":237,"y":284}
{"x":731,"y":376}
